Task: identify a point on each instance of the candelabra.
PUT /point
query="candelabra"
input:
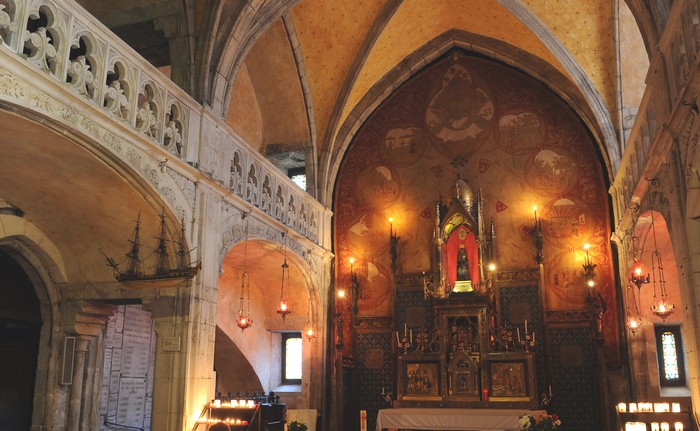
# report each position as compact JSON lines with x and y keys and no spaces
{"x":501,"y":338}
{"x":404,"y":342}
{"x":528,"y":340}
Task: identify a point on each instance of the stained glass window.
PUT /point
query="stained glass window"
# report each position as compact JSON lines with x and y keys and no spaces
{"x":300,"y":180}
{"x":668,"y":343}
{"x":669,"y":348}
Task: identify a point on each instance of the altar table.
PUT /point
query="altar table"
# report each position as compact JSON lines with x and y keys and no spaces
{"x":451,"y":419}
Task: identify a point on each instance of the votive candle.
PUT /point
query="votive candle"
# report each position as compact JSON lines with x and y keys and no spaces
{"x":665,"y":426}
{"x":678,"y":426}
{"x":622,"y":407}
{"x":635,"y":426}
{"x":633,"y":407}
{"x":661,"y":407}
{"x":676,"y":407}
{"x":654,"y":426}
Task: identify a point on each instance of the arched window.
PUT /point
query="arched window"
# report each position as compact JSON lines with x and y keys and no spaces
{"x":669,"y":348}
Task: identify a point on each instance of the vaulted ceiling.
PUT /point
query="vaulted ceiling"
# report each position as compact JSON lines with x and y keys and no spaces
{"x":293,"y":78}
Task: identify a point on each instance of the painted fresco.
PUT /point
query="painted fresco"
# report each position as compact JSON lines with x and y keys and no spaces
{"x":523,"y":146}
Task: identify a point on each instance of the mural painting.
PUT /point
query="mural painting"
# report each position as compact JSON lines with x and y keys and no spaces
{"x":521,"y":147}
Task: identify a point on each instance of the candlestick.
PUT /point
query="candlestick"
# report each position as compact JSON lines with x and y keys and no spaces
{"x":518,"y":334}
{"x":526,"y":326}
{"x":550,"y":390}
{"x":534,"y":209}
{"x":405,"y":330}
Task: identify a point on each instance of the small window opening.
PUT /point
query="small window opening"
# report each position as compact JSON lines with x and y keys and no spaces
{"x":291,"y":358}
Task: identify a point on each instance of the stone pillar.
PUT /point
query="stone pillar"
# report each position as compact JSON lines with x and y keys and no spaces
{"x":76,"y":390}
{"x":168,"y":379}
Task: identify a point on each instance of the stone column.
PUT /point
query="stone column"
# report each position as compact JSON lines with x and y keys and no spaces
{"x":76,"y":390}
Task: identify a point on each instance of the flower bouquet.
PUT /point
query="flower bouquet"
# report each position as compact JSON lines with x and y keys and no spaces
{"x":539,"y":422}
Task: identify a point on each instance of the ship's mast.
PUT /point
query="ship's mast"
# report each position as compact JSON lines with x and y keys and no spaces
{"x":133,"y":254}
{"x":181,"y":250}
{"x":162,"y":250}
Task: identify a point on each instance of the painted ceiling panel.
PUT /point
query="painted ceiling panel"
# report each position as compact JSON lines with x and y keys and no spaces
{"x":417,"y":22}
{"x":331,"y":34}
{"x":244,"y":114}
{"x":586,"y":31}
{"x":273,"y":73}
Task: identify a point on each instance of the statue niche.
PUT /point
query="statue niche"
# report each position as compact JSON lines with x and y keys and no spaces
{"x":460,"y":246}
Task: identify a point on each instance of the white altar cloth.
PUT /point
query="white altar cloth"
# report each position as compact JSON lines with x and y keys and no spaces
{"x":450,"y":419}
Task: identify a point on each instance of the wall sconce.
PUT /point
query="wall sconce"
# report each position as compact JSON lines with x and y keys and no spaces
{"x":589,"y":271}
{"x":537,"y":238}
{"x":284,"y":307}
{"x":393,"y":245}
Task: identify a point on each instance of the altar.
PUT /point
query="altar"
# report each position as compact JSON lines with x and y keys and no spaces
{"x":451,"y":419}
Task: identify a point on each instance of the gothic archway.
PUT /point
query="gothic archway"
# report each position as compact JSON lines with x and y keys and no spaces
{"x":20,"y":327}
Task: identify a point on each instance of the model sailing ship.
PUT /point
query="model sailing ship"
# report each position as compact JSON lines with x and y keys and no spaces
{"x":164,"y":275}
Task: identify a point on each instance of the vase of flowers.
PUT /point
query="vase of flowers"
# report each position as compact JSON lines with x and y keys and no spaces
{"x":539,"y":422}
{"x":297,"y":426}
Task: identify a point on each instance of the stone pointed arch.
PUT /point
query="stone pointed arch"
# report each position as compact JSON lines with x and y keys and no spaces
{"x":498,"y":50}
{"x":311,"y":153}
{"x":590,"y":94}
{"x":234,"y":27}
{"x":134,"y":174}
{"x":29,"y":252}
{"x":354,"y":72}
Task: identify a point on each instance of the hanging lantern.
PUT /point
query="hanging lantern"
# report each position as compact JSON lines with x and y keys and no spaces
{"x":661,"y":307}
{"x":633,"y":323}
{"x":284,"y":307}
{"x":638,"y":277}
{"x":310,"y":328}
{"x":244,"y":321}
